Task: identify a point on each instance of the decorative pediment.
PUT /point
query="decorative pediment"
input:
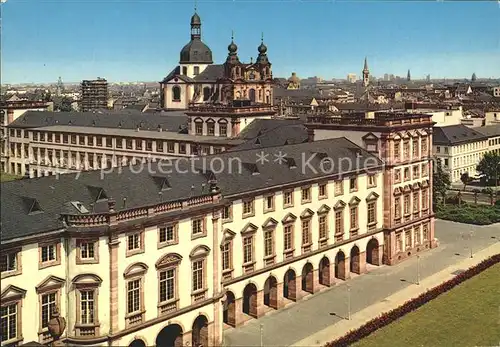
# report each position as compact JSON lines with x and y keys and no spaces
{"x":372,"y":196}
{"x":414,"y":134}
{"x":200,"y":251}
{"x":397,"y":137}
{"x":198,"y":120}
{"x":425,"y":184}
{"x":308,"y":213}
{"x":227,"y":235}
{"x":12,"y":293}
{"x":422,"y":132}
{"x":49,"y":283}
{"x":210,"y":120}
{"x":354,"y":201}
{"x":270,"y":223}
{"x":323,"y":209}
{"x":370,"y":137}
{"x":416,"y":186}
{"x":169,"y":259}
{"x":87,"y":280}
{"x":397,"y":191}
{"x":407,"y":189}
{"x":339,"y":205}
{"x":249,"y":228}
{"x":222,"y":121}
{"x":289,"y":218}
{"x":136,"y":269}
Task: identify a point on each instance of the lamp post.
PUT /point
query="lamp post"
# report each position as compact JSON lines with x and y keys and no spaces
{"x":348,"y":302}
{"x":418,"y":270}
{"x":262,"y":335}
{"x":56,"y":327}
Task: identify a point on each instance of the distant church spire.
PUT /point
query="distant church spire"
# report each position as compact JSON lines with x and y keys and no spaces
{"x":366,"y":74}
{"x":408,"y":76}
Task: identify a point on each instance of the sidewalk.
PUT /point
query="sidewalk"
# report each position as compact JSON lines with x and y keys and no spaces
{"x":359,"y":318}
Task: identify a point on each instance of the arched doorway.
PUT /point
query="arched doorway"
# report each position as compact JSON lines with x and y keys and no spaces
{"x":137,"y":343}
{"x":250,"y":300}
{"x":251,"y":94}
{"x":308,"y":278}
{"x":229,"y":311}
{"x":324,"y":272}
{"x":372,"y":252}
{"x":289,"y":285}
{"x":170,"y":336}
{"x":271,"y":292}
{"x":354,"y":260}
{"x":200,"y":332}
{"x":340,"y":265}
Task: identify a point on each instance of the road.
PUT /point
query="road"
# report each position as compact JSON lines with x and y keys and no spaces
{"x":300,"y":320}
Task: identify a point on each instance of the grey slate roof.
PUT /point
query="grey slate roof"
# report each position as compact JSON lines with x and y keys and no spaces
{"x":489,"y":130}
{"x":125,"y":119}
{"x":211,"y":73}
{"x":33,"y":206}
{"x":456,"y":134}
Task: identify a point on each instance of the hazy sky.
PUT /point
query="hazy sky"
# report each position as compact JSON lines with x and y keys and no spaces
{"x":140,"y":40}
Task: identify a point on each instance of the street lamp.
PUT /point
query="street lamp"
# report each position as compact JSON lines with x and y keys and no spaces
{"x":418,"y":270}
{"x":348,"y":302}
{"x":56,"y":327}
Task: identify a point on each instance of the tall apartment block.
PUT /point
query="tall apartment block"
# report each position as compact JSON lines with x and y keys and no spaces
{"x":94,"y":94}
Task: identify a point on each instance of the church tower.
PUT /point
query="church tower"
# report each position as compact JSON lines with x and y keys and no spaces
{"x":408,"y":76}
{"x":366,"y":74}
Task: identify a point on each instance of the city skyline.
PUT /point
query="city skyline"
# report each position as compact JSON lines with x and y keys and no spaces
{"x":105,"y":39}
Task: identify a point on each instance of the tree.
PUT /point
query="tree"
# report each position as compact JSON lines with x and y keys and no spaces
{"x":476,"y":192}
{"x":62,"y":104}
{"x":489,"y":167}
{"x":466,"y":179}
{"x":440,"y":183}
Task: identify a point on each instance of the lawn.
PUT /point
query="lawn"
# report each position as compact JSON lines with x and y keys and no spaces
{"x":468,"y":315}
{"x":5,"y":177}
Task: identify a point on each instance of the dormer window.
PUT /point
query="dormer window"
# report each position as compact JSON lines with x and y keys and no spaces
{"x":196,"y":70}
{"x":184,"y":70}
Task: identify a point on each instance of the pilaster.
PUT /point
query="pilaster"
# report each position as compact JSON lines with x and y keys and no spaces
{"x":113,"y":245}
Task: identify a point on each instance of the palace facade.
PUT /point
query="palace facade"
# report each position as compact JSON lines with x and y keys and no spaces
{"x":198,"y":80}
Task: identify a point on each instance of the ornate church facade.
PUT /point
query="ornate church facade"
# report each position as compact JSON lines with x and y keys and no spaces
{"x":197,"y":80}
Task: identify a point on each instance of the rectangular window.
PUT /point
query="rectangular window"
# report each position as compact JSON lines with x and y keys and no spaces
{"x":48,"y":253}
{"x":223,"y":130}
{"x":48,"y":306}
{"x":247,"y":207}
{"x":210,"y":129}
{"x":198,"y":275}
{"x":399,"y":243}
{"x":73,"y":139}
{"x":288,"y":238}
{"x":306,"y":194}
{"x":248,"y":249}
{"x":166,"y":234}
{"x":425,"y":232}
{"x":323,"y":227}
{"x":287,"y":199}
{"x":138,"y":144}
{"x":397,"y":207}
{"x":42,"y":136}
{"x":134,"y":242}
{"x":149,"y":145}
{"x":81,"y":140}
{"x":226,"y":256}
{"x":322,"y":190}
{"x":128,"y":144}
{"x":226,"y":213}
{"x":90,"y":140}
{"x":406,"y":204}
{"x":170,"y":147}
{"x":397,"y":151}
{"x":35,"y":136}
{"x":9,"y":322}
{"x":87,"y":306}
{"x":406,"y":150}
{"x":134,"y":296}
{"x":8,"y":262}
{"x":416,"y":171}
{"x":372,"y":181}
{"x":306,"y":232}
{"x":339,"y":222}
{"x":50,"y":137}
{"x":99,"y":141}
{"x":182,"y":148}
{"x":423,"y":146}
{"x":425,"y":199}
{"x":371,"y":213}
{"x":198,"y":128}
{"x":408,"y":239}
{"x":197,"y":226}
{"x":268,"y":243}
{"x":416,"y":235}
{"x":353,"y":184}
{"x":87,"y":250}
{"x":354,"y":217}
{"x":159,"y":146}
{"x":415,"y":148}
{"x":269,"y":203}
{"x":407,"y":174}
{"x":167,"y":285}
{"x":416,"y":205}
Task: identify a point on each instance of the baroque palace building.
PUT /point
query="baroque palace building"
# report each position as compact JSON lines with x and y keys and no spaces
{"x":217,"y":241}
{"x":198,"y":80}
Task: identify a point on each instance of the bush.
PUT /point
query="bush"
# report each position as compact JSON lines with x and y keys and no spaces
{"x":469,"y":214}
{"x":395,"y":314}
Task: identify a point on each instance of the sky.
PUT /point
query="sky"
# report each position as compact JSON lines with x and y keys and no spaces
{"x":140,"y":40}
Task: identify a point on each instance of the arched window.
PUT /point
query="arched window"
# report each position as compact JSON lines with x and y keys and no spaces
{"x":206,"y":93}
{"x":184,"y":70}
{"x":176,"y":93}
{"x":196,"y":70}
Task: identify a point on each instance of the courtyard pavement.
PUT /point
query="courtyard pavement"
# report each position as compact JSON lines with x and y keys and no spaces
{"x":317,"y":312}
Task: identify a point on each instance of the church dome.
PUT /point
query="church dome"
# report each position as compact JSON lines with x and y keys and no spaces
{"x":195,"y":19}
{"x":196,"y":52}
{"x":232,"y":48}
{"x":262,"y":48}
{"x":294,"y":78}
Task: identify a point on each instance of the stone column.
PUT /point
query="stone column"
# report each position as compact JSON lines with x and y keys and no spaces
{"x":280,"y":302}
{"x":260,"y":304}
{"x":333,"y":279}
{"x":238,"y":315}
{"x":298,"y":289}
{"x":362,"y":262}
{"x":316,"y":286}
{"x":217,"y":326}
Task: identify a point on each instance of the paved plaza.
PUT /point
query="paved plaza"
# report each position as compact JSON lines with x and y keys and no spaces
{"x":317,"y":312}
